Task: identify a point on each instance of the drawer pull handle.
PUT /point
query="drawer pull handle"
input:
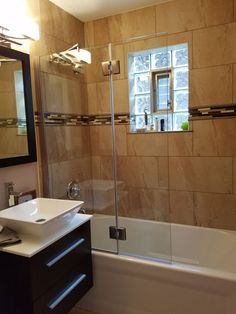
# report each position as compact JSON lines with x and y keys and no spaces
{"x":70,"y":248}
{"x":61,"y":296}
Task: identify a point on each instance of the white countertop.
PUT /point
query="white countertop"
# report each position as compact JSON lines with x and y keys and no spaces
{"x":30,"y":245}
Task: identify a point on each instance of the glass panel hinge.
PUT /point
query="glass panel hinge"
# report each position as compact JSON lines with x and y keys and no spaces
{"x":117,"y":233}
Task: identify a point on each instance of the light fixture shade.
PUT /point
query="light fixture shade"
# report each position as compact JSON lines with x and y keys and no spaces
{"x":15,"y":21}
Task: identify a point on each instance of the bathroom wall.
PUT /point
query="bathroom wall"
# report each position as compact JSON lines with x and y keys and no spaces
{"x":63,"y":101}
{"x":185,"y":177}
{"x":58,"y":30}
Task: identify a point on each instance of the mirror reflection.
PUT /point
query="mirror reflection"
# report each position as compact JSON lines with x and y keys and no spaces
{"x":13,"y":128}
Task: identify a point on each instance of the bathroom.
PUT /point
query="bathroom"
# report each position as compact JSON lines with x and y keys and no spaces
{"x":170,"y":190}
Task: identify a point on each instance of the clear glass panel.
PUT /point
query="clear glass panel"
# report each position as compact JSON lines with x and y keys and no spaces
{"x":143,"y":202}
{"x":80,"y":149}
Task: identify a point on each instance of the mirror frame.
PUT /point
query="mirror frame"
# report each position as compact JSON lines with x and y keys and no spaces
{"x":31,"y":157}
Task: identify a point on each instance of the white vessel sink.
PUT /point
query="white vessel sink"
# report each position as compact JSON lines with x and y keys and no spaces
{"x":40,"y":216}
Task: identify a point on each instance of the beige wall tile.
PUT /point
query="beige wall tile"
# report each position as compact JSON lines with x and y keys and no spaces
{"x":163,"y":172}
{"x":215,"y":210}
{"x":206,"y":48}
{"x":149,"y":204}
{"x":63,"y":95}
{"x":63,"y":172}
{"x":115,"y":28}
{"x":103,"y":97}
{"x":180,"y":144}
{"x":121,"y":96}
{"x":101,"y":29}
{"x":106,"y":165}
{"x":234,"y":83}
{"x":67,"y":142}
{"x":234,"y":175}
{"x":139,"y":172}
{"x":211,"y":86}
{"x":137,"y":23}
{"x":147,"y":144}
{"x":181,"y":207}
{"x":203,"y":174}
{"x":101,"y":140}
{"x":214,"y":137}
{"x":181,"y":15}
{"x":89,"y":34}
{"x":92,"y":98}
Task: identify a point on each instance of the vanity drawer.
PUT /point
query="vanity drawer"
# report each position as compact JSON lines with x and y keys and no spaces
{"x":61,"y":298}
{"x":71,"y":252}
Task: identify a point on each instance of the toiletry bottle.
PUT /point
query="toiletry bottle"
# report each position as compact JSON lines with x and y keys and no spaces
{"x":156,"y":124}
{"x":162,"y":124}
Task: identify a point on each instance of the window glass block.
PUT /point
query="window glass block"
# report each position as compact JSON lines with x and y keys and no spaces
{"x":181,"y":100}
{"x":180,"y":57}
{"x":178,"y":118}
{"x":181,"y":78}
{"x":142,"y":103}
{"x":141,"y":63}
{"x":142,"y":83}
{"x":140,"y":121}
{"x":161,"y":60}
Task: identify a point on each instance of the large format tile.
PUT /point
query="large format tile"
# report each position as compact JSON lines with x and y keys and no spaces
{"x":214,"y":137}
{"x":181,"y":15}
{"x":203,"y":174}
{"x":138,"y":172}
{"x":215,"y":210}
{"x":180,"y":144}
{"x":211,"y":86}
{"x":206,"y":48}
{"x":64,"y":172}
{"x":69,"y":142}
{"x":149,"y":144}
{"x":149,"y":204}
{"x":181,"y":207}
{"x":101,"y":140}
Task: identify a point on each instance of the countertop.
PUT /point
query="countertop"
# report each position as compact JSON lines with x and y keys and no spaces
{"x":31,"y":245}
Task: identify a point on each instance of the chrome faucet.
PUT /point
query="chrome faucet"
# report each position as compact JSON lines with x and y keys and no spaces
{"x":12,"y":195}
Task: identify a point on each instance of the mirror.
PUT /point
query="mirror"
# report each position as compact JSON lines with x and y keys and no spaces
{"x":17,"y":135}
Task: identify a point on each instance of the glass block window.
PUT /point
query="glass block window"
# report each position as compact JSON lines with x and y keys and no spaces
{"x":159,"y":88}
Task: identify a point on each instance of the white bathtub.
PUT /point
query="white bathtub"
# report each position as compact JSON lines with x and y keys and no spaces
{"x":199,"y":277}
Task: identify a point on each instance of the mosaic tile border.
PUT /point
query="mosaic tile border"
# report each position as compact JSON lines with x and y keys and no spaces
{"x":12,"y":123}
{"x":51,"y":118}
{"x":56,"y":119}
{"x":212,"y":112}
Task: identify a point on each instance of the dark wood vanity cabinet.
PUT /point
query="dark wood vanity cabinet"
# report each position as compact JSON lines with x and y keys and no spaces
{"x":51,"y":281}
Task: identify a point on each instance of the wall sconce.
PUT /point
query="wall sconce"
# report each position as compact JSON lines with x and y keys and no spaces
{"x":15,"y":25}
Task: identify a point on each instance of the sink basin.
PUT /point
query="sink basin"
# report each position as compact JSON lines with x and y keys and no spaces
{"x":40,"y":216}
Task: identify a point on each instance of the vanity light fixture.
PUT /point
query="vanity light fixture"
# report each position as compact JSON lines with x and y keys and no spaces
{"x":15,"y":24}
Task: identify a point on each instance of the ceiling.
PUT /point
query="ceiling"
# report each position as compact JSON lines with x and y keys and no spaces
{"x":87,"y":10}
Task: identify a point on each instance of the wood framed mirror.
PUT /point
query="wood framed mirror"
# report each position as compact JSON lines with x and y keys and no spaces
{"x":17,"y":133}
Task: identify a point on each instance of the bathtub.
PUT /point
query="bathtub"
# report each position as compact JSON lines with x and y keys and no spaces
{"x":189,"y":270}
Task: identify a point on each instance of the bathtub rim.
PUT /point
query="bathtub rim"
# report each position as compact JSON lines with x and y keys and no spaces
{"x":173,"y":267}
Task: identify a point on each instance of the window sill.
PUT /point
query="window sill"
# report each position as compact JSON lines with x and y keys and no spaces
{"x":159,"y":132}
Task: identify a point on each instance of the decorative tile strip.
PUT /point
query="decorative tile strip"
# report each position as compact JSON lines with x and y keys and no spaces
{"x":213,"y":112}
{"x":51,"y":118}
{"x":12,"y":123}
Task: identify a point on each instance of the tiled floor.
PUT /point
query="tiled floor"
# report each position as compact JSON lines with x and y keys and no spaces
{"x":77,"y":310}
